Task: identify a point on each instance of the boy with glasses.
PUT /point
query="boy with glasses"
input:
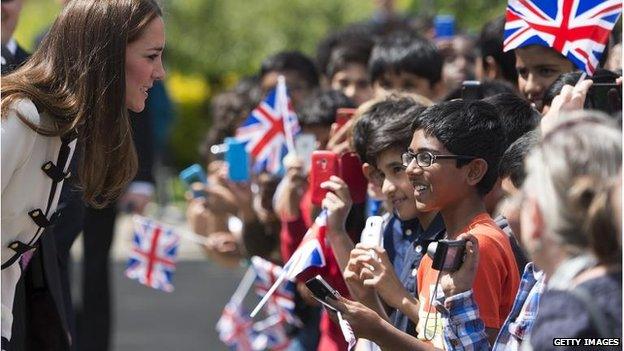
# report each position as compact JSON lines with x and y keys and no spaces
{"x":452,"y":163}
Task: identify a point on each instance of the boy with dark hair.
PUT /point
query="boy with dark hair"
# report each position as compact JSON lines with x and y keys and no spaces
{"x":517,"y":116}
{"x":459,"y":60}
{"x":452,"y":163}
{"x":357,"y":34}
{"x":406,"y":62}
{"x":493,"y":63}
{"x":511,"y":168}
{"x":298,"y":70}
{"x":318,"y":113}
{"x":347,"y":72}
{"x":342,"y":58}
{"x":382,"y":134}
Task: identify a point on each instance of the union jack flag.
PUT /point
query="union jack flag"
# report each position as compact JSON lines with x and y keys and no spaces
{"x":235,"y":328}
{"x":282,"y":302}
{"x":578,"y":29}
{"x":269,"y":130}
{"x":271,"y":334}
{"x":153,"y":256}
{"x":309,"y":253}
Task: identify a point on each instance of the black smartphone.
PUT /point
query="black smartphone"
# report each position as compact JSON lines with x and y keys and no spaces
{"x":471,"y":90}
{"x":606,"y":97}
{"x":447,"y":255}
{"x":321,"y":290}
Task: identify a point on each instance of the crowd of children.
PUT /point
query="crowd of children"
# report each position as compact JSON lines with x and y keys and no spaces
{"x":505,"y":165}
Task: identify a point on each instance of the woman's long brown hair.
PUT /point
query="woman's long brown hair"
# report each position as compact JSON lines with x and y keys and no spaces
{"x":77,"y":77}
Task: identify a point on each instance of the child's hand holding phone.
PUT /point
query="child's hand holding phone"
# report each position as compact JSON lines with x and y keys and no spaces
{"x":376,"y":271}
{"x":338,"y":204}
{"x":340,"y":131}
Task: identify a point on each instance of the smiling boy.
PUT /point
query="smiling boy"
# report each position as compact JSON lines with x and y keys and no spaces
{"x":452,"y":163}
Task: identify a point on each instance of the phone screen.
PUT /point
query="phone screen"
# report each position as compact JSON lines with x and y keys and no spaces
{"x":305,"y":144}
{"x":321,"y":290}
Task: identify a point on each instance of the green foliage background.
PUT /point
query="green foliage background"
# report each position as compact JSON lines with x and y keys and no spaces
{"x":212,"y":43}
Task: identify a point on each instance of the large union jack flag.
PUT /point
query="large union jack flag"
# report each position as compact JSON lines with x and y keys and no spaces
{"x":282,"y":302}
{"x":153,"y":257}
{"x":578,"y":29}
{"x":269,"y":130}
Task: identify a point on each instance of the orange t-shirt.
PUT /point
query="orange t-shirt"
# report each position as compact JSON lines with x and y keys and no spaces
{"x":494,"y":288}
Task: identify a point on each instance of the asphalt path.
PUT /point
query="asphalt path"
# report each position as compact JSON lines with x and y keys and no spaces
{"x":146,"y":319}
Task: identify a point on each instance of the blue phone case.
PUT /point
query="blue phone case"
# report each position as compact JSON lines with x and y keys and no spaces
{"x":444,"y":26}
{"x":193,"y":174}
{"x":238,"y":160}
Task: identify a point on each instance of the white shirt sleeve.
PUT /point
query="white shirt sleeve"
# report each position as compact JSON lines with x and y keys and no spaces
{"x":17,"y":142}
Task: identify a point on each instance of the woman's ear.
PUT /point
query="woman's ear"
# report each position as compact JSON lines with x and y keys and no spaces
{"x":475,"y":170}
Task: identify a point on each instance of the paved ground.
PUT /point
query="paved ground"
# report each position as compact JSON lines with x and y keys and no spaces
{"x":146,"y":319}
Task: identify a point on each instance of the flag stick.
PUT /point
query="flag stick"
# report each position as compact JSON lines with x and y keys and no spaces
{"x":266,"y":297}
{"x":582,"y":78}
{"x":244,"y":286}
{"x":283,"y":110}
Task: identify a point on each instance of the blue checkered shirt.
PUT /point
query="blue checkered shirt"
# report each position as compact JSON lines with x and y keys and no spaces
{"x":464,"y":330}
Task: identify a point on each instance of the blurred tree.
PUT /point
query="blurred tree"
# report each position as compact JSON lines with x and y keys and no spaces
{"x":470,"y":15}
{"x":216,"y":37}
{"x":212,"y":43}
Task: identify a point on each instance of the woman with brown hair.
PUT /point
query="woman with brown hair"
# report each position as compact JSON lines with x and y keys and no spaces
{"x":98,"y":61}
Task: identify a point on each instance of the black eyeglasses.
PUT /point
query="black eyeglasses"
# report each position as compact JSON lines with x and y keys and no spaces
{"x":426,"y":158}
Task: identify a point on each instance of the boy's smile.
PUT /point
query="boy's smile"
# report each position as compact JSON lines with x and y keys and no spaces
{"x":439,"y":184}
{"x":396,"y":185}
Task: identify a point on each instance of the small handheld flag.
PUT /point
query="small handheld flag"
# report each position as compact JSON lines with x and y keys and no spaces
{"x":308,"y":254}
{"x":269,"y":130}
{"x":152,"y":260}
{"x":236,"y":328}
{"x":282,"y":302}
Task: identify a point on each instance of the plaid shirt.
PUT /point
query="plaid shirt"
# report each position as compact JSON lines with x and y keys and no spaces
{"x":464,"y":330}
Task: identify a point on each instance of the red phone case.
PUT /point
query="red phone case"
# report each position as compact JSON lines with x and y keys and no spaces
{"x":324,"y":165}
{"x":351,"y":173}
{"x":343,"y":115}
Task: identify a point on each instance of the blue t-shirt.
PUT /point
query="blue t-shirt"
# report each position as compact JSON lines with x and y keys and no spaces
{"x":413,"y":253}
{"x":398,"y":236}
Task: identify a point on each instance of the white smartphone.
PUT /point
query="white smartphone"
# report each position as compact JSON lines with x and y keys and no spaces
{"x":372,"y":235}
{"x":373,"y":231}
{"x":305,"y":144}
